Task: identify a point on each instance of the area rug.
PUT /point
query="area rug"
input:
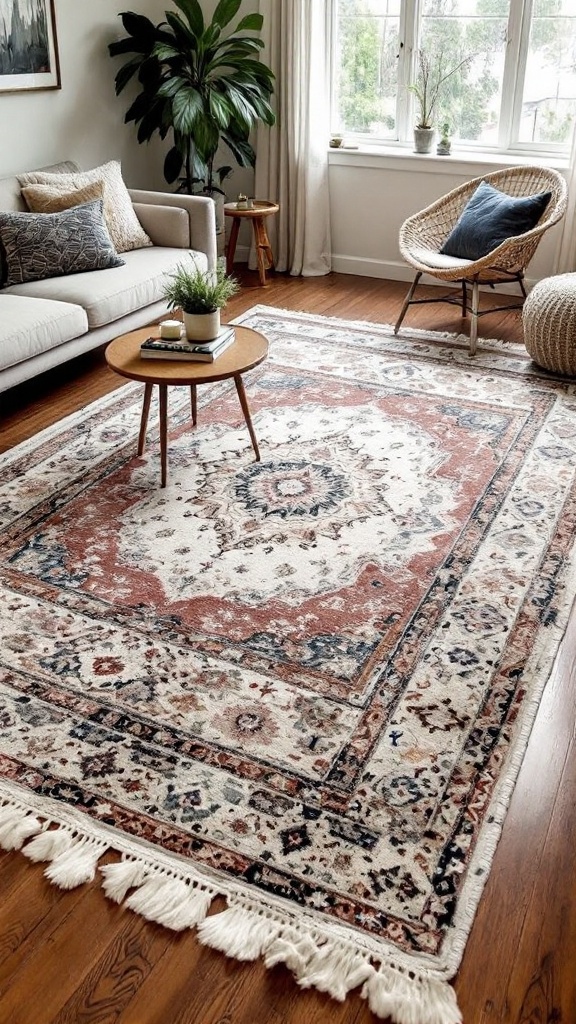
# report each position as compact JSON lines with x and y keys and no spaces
{"x":304,"y":684}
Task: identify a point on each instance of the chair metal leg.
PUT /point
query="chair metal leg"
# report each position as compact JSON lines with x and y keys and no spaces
{"x":464,"y":299}
{"x":474,"y":318}
{"x":407,"y":301}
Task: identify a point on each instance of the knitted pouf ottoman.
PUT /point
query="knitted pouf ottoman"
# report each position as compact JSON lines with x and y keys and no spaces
{"x":549,"y":321}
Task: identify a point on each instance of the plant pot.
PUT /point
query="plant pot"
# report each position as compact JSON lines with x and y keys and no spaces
{"x":202,"y":326}
{"x":423,"y":140}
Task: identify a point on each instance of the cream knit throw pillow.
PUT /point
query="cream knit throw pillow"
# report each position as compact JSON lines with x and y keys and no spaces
{"x":123,"y":225}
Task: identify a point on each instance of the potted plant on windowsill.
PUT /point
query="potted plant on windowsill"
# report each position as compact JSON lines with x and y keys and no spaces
{"x":432,"y":74}
{"x":200,"y":294}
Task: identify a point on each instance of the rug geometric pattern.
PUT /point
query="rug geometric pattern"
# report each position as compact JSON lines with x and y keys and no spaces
{"x":311,"y":679}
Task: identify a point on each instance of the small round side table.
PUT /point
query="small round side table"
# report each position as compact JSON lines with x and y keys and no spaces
{"x":261,"y":209}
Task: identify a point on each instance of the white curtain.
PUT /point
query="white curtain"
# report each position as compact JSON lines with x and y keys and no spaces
{"x":566,"y":258}
{"x":291,"y":164}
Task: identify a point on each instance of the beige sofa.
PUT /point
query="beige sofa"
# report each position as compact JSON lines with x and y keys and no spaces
{"x":44,"y":323}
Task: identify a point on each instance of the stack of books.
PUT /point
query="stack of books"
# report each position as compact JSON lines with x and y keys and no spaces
{"x":195,"y":352}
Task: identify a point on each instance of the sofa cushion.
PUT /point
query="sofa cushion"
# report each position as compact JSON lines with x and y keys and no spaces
{"x":40,"y":245}
{"x":47,"y":199}
{"x":123,"y":224}
{"x":29,"y":327}
{"x":111,"y":294}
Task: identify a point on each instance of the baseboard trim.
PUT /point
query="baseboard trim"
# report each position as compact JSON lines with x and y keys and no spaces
{"x":388,"y":270}
{"x":392,"y":270}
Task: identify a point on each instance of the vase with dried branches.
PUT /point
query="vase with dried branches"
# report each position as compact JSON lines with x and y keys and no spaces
{"x":431,"y":77}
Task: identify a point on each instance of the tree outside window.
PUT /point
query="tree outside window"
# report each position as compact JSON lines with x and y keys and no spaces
{"x":517,"y":90}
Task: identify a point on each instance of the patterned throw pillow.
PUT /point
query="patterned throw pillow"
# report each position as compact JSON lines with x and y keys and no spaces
{"x":39,"y":245}
{"x":47,"y":199}
{"x":125,"y":229}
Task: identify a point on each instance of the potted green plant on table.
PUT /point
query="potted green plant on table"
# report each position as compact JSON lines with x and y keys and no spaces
{"x":200,"y":294}
{"x":431,"y":77}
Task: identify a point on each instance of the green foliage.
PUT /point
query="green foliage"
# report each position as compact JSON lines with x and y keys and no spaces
{"x":368,"y":68}
{"x":200,"y":83}
{"x":359,"y":91}
{"x":197,"y":291}
{"x":465,"y":99}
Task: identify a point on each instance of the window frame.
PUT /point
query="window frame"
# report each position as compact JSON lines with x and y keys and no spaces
{"x":516,"y":58}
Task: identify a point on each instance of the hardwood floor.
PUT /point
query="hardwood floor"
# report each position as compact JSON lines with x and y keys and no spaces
{"x":71,"y":957}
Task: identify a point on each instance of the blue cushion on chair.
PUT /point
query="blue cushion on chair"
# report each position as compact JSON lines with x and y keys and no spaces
{"x":489,"y":218}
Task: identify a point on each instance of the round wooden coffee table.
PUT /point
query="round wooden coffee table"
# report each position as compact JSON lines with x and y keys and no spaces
{"x":262,"y":208}
{"x":123,"y":356}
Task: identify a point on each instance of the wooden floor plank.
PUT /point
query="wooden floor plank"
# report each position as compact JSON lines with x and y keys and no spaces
{"x":54,"y":966}
{"x":117,"y":975}
{"x":71,"y":959}
{"x":27,"y":899}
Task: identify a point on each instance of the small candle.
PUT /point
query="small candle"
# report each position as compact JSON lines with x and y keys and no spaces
{"x":170,"y":329}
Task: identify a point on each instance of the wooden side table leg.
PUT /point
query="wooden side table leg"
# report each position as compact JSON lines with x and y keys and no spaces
{"x":193,"y":403}
{"x":231,"y":247}
{"x":144,"y":418}
{"x":246,"y":411}
{"x":163,"y":389}
{"x":263,"y":250}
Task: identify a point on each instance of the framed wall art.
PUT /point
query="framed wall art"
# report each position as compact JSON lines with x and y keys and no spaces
{"x":28,"y":46}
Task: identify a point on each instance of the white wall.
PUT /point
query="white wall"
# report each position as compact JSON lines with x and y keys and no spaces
{"x":84,"y":120}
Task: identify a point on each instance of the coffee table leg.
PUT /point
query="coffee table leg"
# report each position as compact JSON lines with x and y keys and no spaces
{"x":163,"y":389}
{"x":193,"y":403}
{"x":246,"y":411}
{"x":144,"y":418}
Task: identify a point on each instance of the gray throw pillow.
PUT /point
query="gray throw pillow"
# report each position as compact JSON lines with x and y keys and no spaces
{"x":39,"y":245}
{"x":489,"y":218}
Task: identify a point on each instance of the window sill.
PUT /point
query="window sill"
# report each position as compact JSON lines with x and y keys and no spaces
{"x":460,"y":162}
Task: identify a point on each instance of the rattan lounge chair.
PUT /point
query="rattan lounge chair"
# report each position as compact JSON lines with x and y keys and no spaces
{"x":424,"y":233}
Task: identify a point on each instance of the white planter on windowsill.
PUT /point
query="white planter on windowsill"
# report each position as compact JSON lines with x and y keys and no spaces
{"x":423,"y":139}
{"x":202,"y":326}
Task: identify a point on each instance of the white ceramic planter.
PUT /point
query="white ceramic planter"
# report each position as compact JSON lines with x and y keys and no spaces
{"x":423,"y":140}
{"x":202,"y":326}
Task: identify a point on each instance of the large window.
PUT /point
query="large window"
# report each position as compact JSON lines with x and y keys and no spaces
{"x":515,"y":90}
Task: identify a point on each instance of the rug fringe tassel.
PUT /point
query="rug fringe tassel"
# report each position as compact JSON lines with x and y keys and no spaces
{"x":239,"y":932}
{"x":407,"y":999}
{"x":336,"y":969}
{"x":77,"y":864}
{"x":334,"y":965}
{"x":174,"y":902}
{"x":162,"y":896}
{"x":292,"y":949}
{"x":16,"y":828}
{"x":49,"y":844}
{"x":122,"y":876}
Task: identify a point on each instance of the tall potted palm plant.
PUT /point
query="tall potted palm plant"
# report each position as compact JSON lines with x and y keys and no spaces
{"x":200,"y":81}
